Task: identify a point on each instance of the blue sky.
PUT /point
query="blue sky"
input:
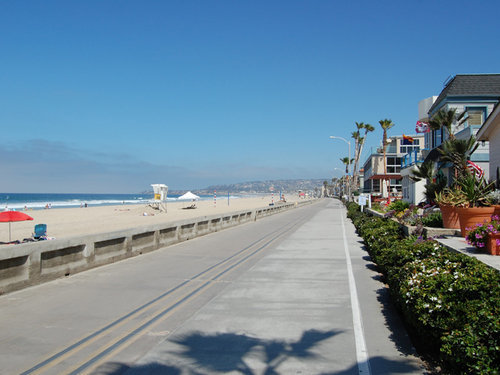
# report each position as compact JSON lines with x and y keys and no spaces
{"x":111,"y":96}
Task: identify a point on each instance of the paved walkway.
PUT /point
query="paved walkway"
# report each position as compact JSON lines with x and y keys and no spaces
{"x":312,"y":305}
{"x":458,"y":244}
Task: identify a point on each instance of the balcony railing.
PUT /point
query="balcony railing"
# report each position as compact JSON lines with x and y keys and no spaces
{"x":391,"y":149}
{"x":414,"y":157}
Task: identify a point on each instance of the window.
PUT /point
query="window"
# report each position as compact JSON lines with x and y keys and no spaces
{"x":408,"y":149}
{"x":475,"y":116}
{"x":437,"y":137}
{"x":395,"y":182}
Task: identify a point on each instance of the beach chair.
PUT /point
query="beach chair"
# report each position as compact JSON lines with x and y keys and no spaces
{"x":40,"y":231}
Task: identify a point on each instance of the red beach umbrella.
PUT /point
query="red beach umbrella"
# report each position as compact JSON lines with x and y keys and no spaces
{"x":10,"y":216}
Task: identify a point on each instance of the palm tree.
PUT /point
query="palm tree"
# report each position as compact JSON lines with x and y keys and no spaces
{"x":445,"y":119}
{"x":424,"y":171}
{"x":386,"y":124}
{"x":458,"y":152}
{"x":357,"y":140}
{"x":347,"y":162}
{"x":358,"y":147}
{"x":368,"y":129}
{"x":435,"y":181}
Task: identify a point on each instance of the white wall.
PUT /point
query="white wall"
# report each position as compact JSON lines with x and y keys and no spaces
{"x":423,"y":107}
{"x":494,"y":140}
{"x":413,"y":192}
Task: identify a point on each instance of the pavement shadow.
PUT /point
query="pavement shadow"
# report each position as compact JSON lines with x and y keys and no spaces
{"x":393,"y":319}
{"x":116,"y":368}
{"x":227,"y":352}
{"x":235,"y":353}
{"x":383,"y":366}
{"x":394,"y":322}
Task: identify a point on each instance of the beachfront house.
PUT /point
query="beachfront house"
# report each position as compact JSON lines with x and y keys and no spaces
{"x":474,"y":94}
{"x":490,"y":132}
{"x":398,"y":147}
{"x":413,"y":191}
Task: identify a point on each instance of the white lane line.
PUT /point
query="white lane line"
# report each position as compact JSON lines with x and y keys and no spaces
{"x":359,"y":337}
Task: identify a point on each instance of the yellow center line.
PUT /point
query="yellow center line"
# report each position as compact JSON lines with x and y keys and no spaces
{"x":213,"y":274}
{"x":112,"y":349}
{"x":107,"y":329}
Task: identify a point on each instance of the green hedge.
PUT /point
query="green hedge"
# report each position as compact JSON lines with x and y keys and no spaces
{"x":450,"y":302}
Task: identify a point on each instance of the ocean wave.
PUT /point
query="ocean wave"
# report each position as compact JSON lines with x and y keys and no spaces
{"x":72,"y":203}
{"x":35,"y":205}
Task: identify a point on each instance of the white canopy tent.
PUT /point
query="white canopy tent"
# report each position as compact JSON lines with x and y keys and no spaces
{"x":188,"y":196}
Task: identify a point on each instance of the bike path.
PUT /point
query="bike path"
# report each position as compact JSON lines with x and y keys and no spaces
{"x":313,"y":305}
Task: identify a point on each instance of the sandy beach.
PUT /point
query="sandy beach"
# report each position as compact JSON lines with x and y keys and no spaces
{"x":70,"y":222}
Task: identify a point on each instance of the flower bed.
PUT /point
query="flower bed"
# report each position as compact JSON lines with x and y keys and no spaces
{"x":450,"y":302}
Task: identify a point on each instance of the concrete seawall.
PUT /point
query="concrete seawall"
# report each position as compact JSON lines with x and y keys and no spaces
{"x":33,"y":263}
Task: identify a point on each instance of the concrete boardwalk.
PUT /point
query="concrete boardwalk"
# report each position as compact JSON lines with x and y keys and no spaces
{"x":311,"y":305}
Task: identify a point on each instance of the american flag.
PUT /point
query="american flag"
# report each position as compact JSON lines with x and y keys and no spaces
{"x":422,"y":127}
{"x":475,"y":169}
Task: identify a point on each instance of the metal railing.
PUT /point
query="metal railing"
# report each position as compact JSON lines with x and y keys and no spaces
{"x":414,"y":157}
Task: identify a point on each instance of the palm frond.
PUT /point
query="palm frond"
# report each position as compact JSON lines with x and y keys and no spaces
{"x":424,"y":171}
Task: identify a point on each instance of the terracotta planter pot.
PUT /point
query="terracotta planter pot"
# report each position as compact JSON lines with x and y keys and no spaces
{"x":470,"y":216}
{"x":491,"y":244}
{"x":497,"y":210}
{"x":450,"y":216}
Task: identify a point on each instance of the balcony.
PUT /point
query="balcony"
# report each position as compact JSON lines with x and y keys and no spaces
{"x":391,"y":149}
{"x":413,"y":158}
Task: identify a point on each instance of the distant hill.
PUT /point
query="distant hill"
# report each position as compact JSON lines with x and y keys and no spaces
{"x":286,"y":186}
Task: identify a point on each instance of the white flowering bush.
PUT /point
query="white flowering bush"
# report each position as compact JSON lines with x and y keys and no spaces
{"x":450,"y":302}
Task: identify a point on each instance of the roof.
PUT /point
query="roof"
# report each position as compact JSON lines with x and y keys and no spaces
{"x":465,"y":85}
{"x":491,"y":122}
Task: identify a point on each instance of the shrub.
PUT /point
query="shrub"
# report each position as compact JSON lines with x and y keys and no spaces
{"x":450,"y":302}
{"x":353,"y":210}
{"x":434,"y":220}
{"x":398,"y":206}
{"x":453,"y":293}
{"x":379,"y":234}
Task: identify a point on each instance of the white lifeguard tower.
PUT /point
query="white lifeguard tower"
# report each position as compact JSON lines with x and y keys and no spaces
{"x":160,"y":197}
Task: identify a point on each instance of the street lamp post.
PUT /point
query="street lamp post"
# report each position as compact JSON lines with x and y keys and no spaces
{"x":348,"y":164}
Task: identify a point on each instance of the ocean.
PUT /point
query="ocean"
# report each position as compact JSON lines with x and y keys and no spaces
{"x":18,"y":201}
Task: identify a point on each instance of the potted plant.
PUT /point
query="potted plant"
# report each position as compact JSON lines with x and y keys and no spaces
{"x":494,"y":199}
{"x":474,"y":207}
{"x":486,"y":236}
{"x":448,"y":201}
